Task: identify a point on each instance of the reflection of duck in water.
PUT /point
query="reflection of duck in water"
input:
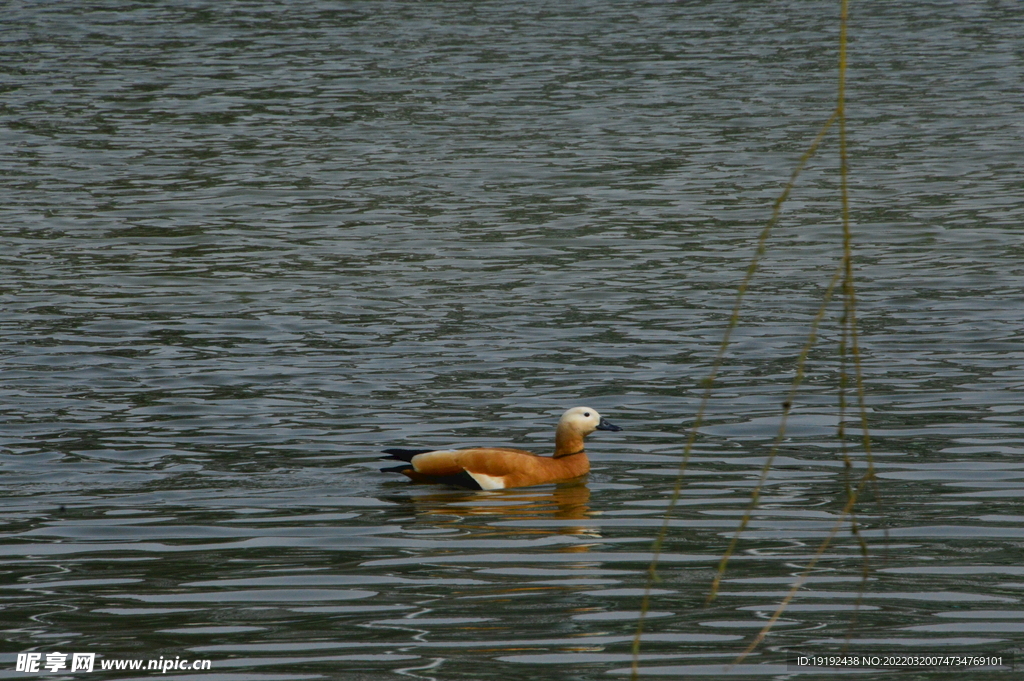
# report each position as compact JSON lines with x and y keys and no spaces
{"x":516,"y":513}
{"x":568,"y":501}
{"x":500,"y":467}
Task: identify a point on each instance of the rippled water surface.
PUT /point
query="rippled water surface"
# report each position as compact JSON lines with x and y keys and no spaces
{"x":248,"y":245}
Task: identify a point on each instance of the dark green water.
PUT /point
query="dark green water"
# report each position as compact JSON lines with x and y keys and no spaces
{"x":248,"y":245}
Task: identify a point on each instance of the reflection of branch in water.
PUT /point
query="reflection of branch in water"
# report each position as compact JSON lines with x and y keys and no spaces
{"x":568,"y":501}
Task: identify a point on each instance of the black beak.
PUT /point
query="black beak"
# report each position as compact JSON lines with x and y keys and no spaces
{"x":605,"y":425}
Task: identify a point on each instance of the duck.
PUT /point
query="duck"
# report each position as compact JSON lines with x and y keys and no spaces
{"x":490,"y":468}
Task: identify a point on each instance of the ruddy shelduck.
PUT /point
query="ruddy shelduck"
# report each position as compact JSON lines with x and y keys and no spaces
{"x":502,"y":467}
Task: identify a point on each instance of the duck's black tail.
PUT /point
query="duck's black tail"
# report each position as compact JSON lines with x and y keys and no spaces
{"x":404,"y":454}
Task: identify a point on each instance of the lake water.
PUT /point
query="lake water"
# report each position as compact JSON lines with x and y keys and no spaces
{"x":248,"y":245}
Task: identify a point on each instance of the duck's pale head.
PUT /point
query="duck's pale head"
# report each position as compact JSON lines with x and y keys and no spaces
{"x":575,"y":425}
{"x":584,"y":420}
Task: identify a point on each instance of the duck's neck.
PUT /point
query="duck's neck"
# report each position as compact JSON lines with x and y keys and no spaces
{"x":568,"y":441}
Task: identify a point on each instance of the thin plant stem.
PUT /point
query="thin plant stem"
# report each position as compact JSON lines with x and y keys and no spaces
{"x":779,"y":437}
{"x":840,"y":521}
{"x":849,"y":338}
{"x":656,"y":548}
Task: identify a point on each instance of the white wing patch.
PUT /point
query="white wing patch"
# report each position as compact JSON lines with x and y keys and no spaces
{"x":488,"y":481}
